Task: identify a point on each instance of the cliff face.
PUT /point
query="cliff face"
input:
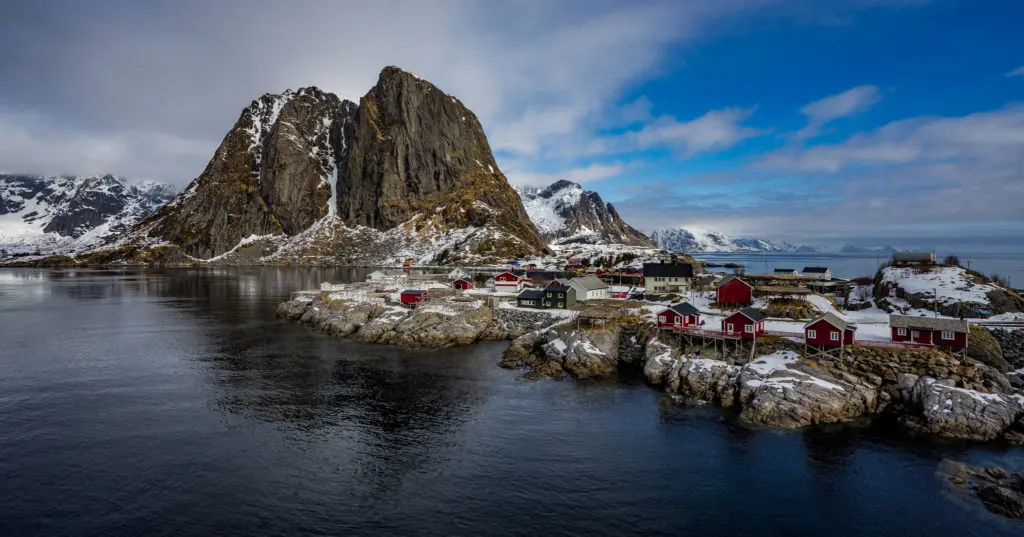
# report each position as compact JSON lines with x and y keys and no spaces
{"x":564,"y":212}
{"x":271,"y":175}
{"x":408,"y":155}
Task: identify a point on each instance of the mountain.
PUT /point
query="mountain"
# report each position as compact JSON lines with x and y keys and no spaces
{"x":688,"y":239}
{"x":72,"y":213}
{"x":565,"y":213}
{"x":304,"y":176}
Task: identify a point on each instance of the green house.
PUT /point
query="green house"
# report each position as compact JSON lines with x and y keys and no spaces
{"x":559,"y":296}
{"x":530,"y":298}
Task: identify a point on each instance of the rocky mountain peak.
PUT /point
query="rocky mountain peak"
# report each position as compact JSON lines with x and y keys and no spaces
{"x":566,"y":213}
{"x":407,"y":155}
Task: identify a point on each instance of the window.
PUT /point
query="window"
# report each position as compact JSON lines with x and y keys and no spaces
{"x":947,"y":335}
{"x":728,"y":328}
{"x":561,"y":304}
{"x":834,"y":336}
{"x":561,"y":295}
{"x":749,"y":329}
{"x":661,"y":318}
{"x":914,"y":334}
{"x":812,"y":334}
{"x":679,"y":320}
{"x":901,"y":331}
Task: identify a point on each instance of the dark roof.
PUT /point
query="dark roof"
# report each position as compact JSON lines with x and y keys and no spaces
{"x":834,"y":320}
{"x":816,"y":270}
{"x":671,"y":270}
{"x":557,"y":288}
{"x":546,"y":274}
{"x":928,"y":323}
{"x":685,"y":308}
{"x":531,"y":294}
{"x":753,"y":314}
{"x":913,"y":257}
{"x":414,"y":292}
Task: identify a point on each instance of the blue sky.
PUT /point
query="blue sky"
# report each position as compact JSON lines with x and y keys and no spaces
{"x":866,"y":121}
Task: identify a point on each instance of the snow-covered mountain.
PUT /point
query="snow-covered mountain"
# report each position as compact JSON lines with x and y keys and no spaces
{"x":689,"y":239}
{"x":564,"y":213}
{"x":72,"y":213}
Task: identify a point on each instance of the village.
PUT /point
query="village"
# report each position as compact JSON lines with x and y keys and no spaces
{"x":825,"y":314}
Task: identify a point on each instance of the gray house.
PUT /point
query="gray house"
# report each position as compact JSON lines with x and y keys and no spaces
{"x":913,"y":258}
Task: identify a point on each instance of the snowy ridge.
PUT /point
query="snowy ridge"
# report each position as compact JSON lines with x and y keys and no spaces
{"x":691,"y":239}
{"x":565,"y":213}
{"x":67,"y":213}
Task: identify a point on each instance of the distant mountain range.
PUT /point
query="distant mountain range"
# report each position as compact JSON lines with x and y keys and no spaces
{"x":68,"y":213}
{"x":565,"y":213}
{"x":694,"y":240}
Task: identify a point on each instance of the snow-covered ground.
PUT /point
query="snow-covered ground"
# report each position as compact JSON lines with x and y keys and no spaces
{"x":950,"y":285}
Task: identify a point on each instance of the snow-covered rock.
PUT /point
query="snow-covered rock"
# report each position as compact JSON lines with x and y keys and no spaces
{"x":56,"y":214}
{"x":565,"y":213}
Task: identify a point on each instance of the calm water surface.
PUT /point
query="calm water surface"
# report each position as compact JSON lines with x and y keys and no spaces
{"x":174,"y":403}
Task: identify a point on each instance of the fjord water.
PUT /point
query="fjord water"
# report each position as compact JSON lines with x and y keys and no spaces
{"x":174,"y":403}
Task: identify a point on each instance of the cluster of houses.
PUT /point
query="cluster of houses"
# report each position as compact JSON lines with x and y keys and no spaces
{"x":827,"y":330}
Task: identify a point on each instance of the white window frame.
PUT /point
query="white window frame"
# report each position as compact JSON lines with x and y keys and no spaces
{"x":901,"y":331}
{"x":661,"y":319}
{"x":834,"y":336}
{"x":561,"y":304}
{"x":749,"y":329}
{"x":728,"y":327}
{"x":812,"y":334}
{"x":678,"y":320}
{"x":914,"y":335}
{"x":948,"y":336}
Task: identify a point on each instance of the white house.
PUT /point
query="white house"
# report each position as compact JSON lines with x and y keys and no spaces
{"x":459,"y":274}
{"x":821,"y":273}
{"x":589,"y":288}
{"x":386,"y":275}
{"x":667,"y":277}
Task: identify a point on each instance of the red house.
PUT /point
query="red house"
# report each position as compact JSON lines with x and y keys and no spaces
{"x":462,"y":284}
{"x":829,"y":331}
{"x":682,"y":314}
{"x":733,"y":290}
{"x":746,"y":323}
{"x":506,"y":282}
{"x":929,"y":331}
{"x":412,"y":296}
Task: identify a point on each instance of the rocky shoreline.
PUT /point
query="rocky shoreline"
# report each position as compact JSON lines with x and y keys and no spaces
{"x":926,"y":389}
{"x":450,"y":322}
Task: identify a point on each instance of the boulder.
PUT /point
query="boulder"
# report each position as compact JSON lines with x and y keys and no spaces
{"x":962,"y":413}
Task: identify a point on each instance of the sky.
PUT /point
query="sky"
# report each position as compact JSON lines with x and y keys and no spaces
{"x":863,"y":121}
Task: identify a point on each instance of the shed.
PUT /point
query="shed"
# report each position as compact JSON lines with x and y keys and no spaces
{"x":412,"y":296}
{"x":462,"y":284}
{"x":733,"y":290}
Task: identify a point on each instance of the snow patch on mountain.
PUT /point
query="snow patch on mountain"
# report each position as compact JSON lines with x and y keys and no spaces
{"x":565,"y":213}
{"x":691,"y":239}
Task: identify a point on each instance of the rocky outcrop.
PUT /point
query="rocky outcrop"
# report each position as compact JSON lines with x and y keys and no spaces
{"x":313,"y":170}
{"x":375,"y":320}
{"x":955,"y":412}
{"x":1001,"y":492}
{"x":1011,"y":346}
{"x":565,"y":349}
{"x":564,"y":212}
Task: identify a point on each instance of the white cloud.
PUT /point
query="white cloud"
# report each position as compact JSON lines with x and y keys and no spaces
{"x":1017,"y":72}
{"x":848,"y":103}
{"x":583,"y":174}
{"x":714,"y":131}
